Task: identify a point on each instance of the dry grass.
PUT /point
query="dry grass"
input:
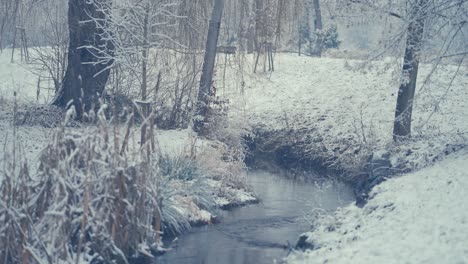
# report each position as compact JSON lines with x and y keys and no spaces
{"x":95,"y":197}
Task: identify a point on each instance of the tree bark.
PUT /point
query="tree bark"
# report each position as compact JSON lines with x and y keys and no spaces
{"x":404,"y":106}
{"x":318,"y":26}
{"x":85,"y":77}
{"x":145,"y":51}
{"x":318,"y":16}
{"x":208,"y":66}
{"x":144,"y":72}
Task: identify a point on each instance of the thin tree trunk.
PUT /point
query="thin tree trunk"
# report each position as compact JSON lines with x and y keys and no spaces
{"x":299,"y":45}
{"x":318,"y":15}
{"x":208,"y":66}
{"x":144,"y":71}
{"x":82,"y":85}
{"x":144,"y":67}
{"x":318,"y":26}
{"x":15,"y":19}
{"x":404,"y":107}
{"x":279,"y":16}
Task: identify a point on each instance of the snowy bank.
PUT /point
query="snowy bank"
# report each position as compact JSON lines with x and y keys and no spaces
{"x":339,"y":112}
{"x":420,"y":217}
{"x":108,"y":193}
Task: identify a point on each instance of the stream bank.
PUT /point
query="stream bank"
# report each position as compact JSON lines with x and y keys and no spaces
{"x":264,"y":232}
{"x":301,"y":153}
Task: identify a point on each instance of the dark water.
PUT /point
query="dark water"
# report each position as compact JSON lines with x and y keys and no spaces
{"x":260,"y":233}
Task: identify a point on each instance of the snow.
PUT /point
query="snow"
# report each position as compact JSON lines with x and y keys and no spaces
{"x":420,"y":217}
{"x":229,"y":196}
{"x":30,"y":139}
{"x":173,"y":142}
{"x":303,"y":89}
{"x":348,"y":105}
{"x":17,"y":77}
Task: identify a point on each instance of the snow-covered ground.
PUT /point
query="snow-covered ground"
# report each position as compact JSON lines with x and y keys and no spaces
{"x":305,"y":90}
{"x":420,"y":217}
{"x":344,"y":109}
{"x":18,"y":77}
{"x":19,"y":85}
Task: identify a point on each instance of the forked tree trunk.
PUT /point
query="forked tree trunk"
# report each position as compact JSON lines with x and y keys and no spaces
{"x":404,"y":107}
{"x":208,"y":67}
{"x":85,"y":78}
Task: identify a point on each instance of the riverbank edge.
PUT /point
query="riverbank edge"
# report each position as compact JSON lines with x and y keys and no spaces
{"x":288,"y":151}
{"x":417,"y":216}
{"x":269,"y":151}
{"x":227,"y":197}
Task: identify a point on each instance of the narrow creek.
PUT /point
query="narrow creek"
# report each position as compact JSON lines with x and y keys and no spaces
{"x":260,"y":233}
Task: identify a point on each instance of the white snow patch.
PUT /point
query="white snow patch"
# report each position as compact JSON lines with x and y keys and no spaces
{"x":421,"y":217}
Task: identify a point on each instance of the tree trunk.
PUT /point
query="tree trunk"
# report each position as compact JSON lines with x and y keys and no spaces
{"x":144,"y":72}
{"x":145,"y":51}
{"x":85,"y":77}
{"x":404,"y":107}
{"x":208,"y":66}
{"x":318,"y":26}
{"x":14,"y":30}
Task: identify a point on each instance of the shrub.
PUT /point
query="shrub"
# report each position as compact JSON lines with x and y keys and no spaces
{"x":183,"y":190}
{"x":92,"y":200}
{"x":328,"y":38}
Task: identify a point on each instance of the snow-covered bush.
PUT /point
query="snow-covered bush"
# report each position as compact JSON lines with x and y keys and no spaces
{"x":324,"y":39}
{"x":93,"y":200}
{"x":15,"y":187}
{"x":327,"y":38}
{"x":226,"y":154}
{"x":183,"y":192}
{"x":90,"y":198}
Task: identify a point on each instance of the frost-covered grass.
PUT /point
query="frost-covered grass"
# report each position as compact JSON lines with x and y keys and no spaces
{"x":98,"y":195}
{"x":105,"y":199}
{"x":420,"y":217}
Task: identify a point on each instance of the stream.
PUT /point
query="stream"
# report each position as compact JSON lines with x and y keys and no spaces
{"x":263,"y":232}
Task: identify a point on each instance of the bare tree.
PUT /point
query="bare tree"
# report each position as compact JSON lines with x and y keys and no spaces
{"x":404,"y":107}
{"x":50,"y":62}
{"x":86,"y":76}
{"x":208,"y":66}
{"x":426,"y":29}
